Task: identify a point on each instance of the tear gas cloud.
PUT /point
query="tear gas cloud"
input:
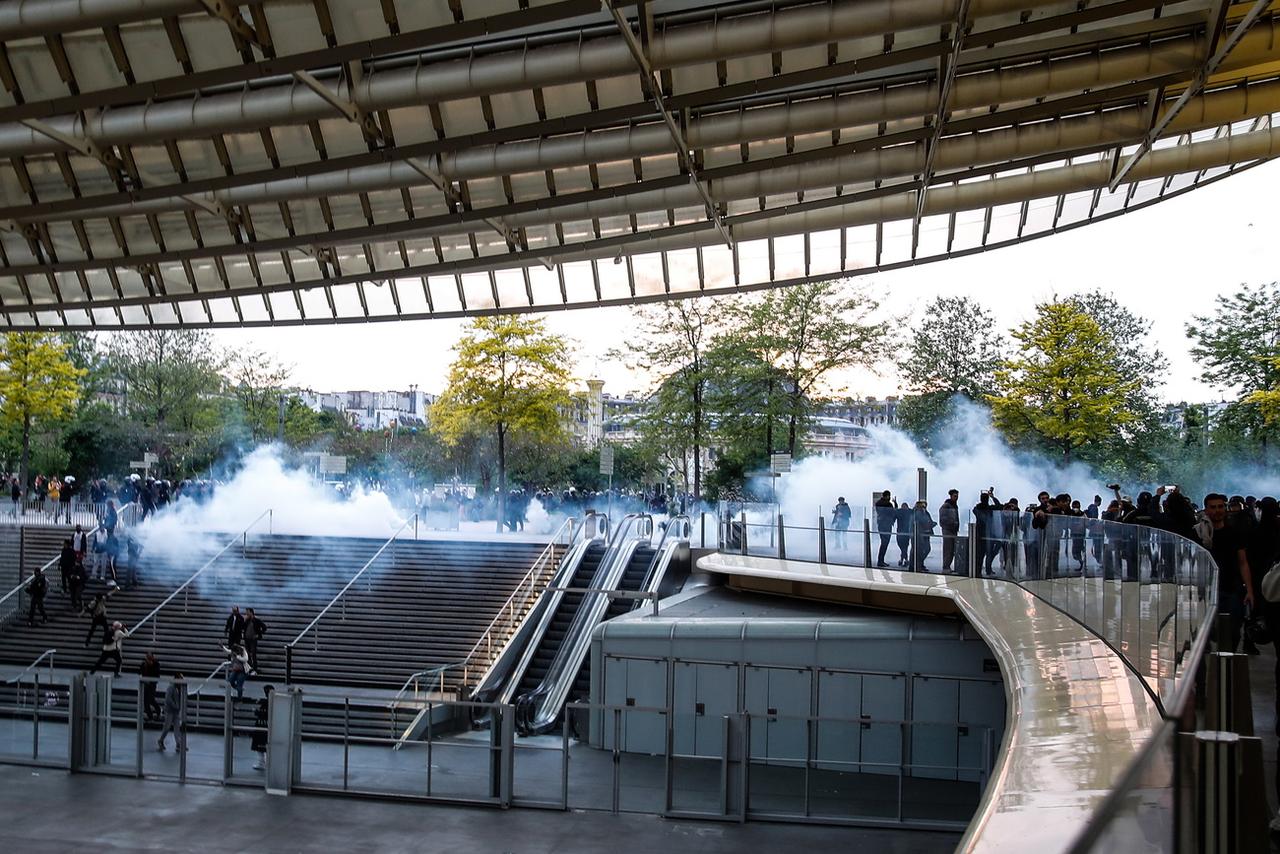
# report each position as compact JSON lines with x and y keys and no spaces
{"x":971,"y":457}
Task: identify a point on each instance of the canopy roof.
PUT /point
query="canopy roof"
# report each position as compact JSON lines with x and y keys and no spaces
{"x":214,"y":163}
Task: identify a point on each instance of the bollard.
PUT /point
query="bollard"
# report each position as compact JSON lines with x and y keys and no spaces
{"x":1228,"y":704}
{"x":744,"y":531}
{"x":1223,"y":805}
{"x":782,"y":540}
{"x":822,"y":539}
{"x":973,"y":551}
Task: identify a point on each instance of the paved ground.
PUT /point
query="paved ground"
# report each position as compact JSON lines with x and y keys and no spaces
{"x":119,"y":814}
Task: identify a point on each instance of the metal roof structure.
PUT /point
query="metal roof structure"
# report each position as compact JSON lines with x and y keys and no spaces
{"x":208,"y":163}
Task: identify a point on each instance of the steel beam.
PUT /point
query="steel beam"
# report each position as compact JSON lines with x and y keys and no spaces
{"x":946,"y":78}
{"x":653,"y":90}
{"x":1217,"y":53}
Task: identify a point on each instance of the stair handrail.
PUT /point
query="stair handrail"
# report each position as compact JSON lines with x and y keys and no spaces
{"x":288,"y":648}
{"x":657,"y":552}
{"x":242,"y":536}
{"x":545,"y":557}
{"x":48,"y":653}
{"x":221,"y":666}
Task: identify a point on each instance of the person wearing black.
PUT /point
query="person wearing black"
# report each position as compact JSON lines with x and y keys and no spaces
{"x":886,"y":517}
{"x":98,"y":617}
{"x":259,"y":741}
{"x":1038,"y":514}
{"x":254,"y":629}
{"x":841,"y":515}
{"x":37,"y":587}
{"x":233,"y":630}
{"x":987,"y":545}
{"x":15,"y":495}
{"x":903,"y":521}
{"x":1235,"y":579}
{"x":66,"y":563}
{"x":949,"y":522}
{"x":75,"y":585}
{"x":921,"y":530}
{"x":64,"y":498}
{"x":112,"y":648}
{"x":149,"y":670}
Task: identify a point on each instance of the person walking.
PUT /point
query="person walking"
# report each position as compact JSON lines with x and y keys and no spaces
{"x":98,"y":617}
{"x":886,"y":517}
{"x":65,"y":498}
{"x":175,"y":713}
{"x":840,"y":517}
{"x":233,"y":629}
{"x":110,"y":518}
{"x":149,"y":676}
{"x":237,"y":668}
{"x":254,"y":629}
{"x":112,"y":648}
{"x":902,"y":519}
{"x":949,"y":522}
{"x":15,"y":496}
{"x":37,"y":587}
{"x":260,"y":718}
{"x":1235,"y":578}
{"x":75,"y":586}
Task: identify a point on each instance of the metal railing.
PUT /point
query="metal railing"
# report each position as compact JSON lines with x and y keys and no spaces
{"x":340,"y":596}
{"x":510,"y":615}
{"x":153,"y":615}
{"x":48,"y":653}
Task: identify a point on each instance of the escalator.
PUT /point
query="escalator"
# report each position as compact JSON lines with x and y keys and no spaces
{"x":562,"y":619}
{"x":632,"y":581}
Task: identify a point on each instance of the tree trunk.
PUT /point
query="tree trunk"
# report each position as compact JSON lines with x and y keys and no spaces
{"x":697,"y":438}
{"x":768,"y":419}
{"x":26,"y":451}
{"x":502,"y":476}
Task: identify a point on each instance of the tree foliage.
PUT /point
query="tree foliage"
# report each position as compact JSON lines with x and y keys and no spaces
{"x":258,"y":383}
{"x":38,"y":383}
{"x":169,"y":375}
{"x":1062,"y":389}
{"x":509,"y":376}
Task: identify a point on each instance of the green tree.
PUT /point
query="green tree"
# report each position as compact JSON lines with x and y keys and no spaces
{"x":671,"y":343}
{"x":1268,"y":399}
{"x":805,"y":333}
{"x":257,"y":381}
{"x":509,"y":376}
{"x":1062,"y":389}
{"x":1238,"y":347}
{"x":953,"y":354}
{"x":169,"y":375}
{"x":38,"y":383}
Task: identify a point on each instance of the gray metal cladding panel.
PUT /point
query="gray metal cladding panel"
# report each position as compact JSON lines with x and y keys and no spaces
{"x":982,"y":706}
{"x":839,"y":696}
{"x":892,"y":655}
{"x":884,"y":698}
{"x":778,"y":700}
{"x":934,"y":742}
{"x":703,"y":695}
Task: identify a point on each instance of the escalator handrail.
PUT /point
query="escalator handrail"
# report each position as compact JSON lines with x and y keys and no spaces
{"x":650,"y":584}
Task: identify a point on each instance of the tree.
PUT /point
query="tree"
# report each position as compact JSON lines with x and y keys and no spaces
{"x":168,"y":375}
{"x":257,"y":381}
{"x":671,"y":344}
{"x":1268,"y":399}
{"x":805,"y":332}
{"x":954,"y":351}
{"x":1063,"y":388}
{"x":509,"y":375}
{"x":38,"y":382}
{"x":1239,"y":348}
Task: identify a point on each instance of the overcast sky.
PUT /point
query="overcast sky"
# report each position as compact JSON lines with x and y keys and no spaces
{"x":1167,"y":263}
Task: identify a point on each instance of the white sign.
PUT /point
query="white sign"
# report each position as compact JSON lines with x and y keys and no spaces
{"x":779,"y":463}
{"x":138,"y":464}
{"x":606,"y":459}
{"x":331,"y":464}
{"x":150,"y":458}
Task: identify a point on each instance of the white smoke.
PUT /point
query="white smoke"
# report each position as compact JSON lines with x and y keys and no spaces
{"x":972,"y":458}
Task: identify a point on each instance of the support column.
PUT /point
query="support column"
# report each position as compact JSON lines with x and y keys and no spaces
{"x":284,"y":740}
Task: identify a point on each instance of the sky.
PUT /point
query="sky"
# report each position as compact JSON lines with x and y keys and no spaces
{"x":1167,"y":263}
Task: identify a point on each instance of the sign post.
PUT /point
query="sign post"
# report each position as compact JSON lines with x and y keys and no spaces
{"x":779,"y":464}
{"x":606,"y":468}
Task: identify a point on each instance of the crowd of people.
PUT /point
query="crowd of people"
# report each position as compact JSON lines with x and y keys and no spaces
{"x":59,"y":497}
{"x":1054,"y":535}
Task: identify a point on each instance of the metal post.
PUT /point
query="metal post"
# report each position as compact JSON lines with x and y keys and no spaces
{"x":288,"y":663}
{"x":564,"y":764}
{"x":866,"y":542}
{"x":744,"y":531}
{"x":182,"y":729}
{"x":228,"y":732}
{"x":137,"y":725}
{"x":724,"y":768}
{"x":346,"y":740}
{"x":430,"y":715}
{"x":822,"y":539}
{"x":35,"y":721}
{"x":1229,"y":707}
{"x":702,"y":526}
{"x":782,"y":540}
{"x":973,"y":550}
{"x":1227,"y":810}
{"x":617,"y":756}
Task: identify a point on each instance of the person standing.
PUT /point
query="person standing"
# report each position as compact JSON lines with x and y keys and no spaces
{"x":75,"y":583}
{"x":840,"y":517}
{"x":886,"y":517}
{"x":65,"y":497}
{"x":112,"y":648}
{"x":15,"y":496}
{"x":922,"y":526}
{"x":110,"y":518}
{"x":1093,"y":516}
{"x":254,"y":629}
{"x":149,"y":673}
{"x":260,"y":718}
{"x":66,"y":563}
{"x":949,"y":522}
{"x":37,"y":588}
{"x":1235,"y":579}
{"x":175,"y":713}
{"x":233,"y":629}
{"x":982,"y":533}
{"x":237,"y":668}
{"x":99,"y":547}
